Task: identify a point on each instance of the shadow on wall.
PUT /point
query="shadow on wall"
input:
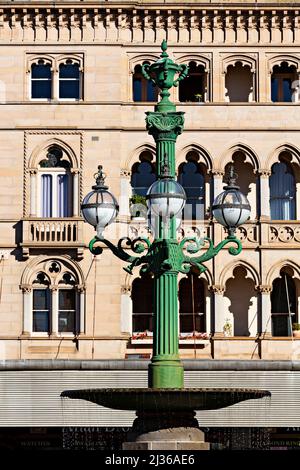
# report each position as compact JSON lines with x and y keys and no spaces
{"x":241,"y":294}
{"x":239,"y":83}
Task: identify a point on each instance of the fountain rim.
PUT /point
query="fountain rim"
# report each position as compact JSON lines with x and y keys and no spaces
{"x":193,"y":390}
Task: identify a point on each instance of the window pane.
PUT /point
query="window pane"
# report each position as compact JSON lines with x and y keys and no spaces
{"x":274,"y":89}
{"x":151,"y":92}
{"x":69,"y":71}
{"x":46,"y":196}
{"x":66,"y":299}
{"x":142,"y":323}
{"x":41,"y":71}
{"x":137,"y":89}
{"x":66,"y":321}
{"x":41,"y":321}
{"x":62,"y":196}
{"x":189,"y":323}
{"x":142,"y":178}
{"x":41,"y":299}
{"x":69,"y":89}
{"x":41,"y":89}
{"x":287,"y":90}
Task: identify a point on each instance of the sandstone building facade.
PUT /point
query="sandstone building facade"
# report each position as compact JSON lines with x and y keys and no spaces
{"x":72,"y":97}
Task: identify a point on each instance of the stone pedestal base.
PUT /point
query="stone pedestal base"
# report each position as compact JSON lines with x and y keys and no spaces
{"x":176,"y":430}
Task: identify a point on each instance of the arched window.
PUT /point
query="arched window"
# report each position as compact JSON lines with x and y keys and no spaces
{"x":55,"y":300}
{"x":41,"y":304}
{"x":191,"y":177}
{"x":143,"y":174}
{"x":282,"y":79}
{"x":246,"y":180}
{"x":241,"y":309}
{"x":69,"y":80}
{"x":55,"y":181}
{"x":239,"y":83}
{"x":282,"y":192}
{"x":283,"y":304}
{"x":193,"y":88}
{"x":191,"y":304}
{"x":41,"y":80}
{"x":142,"y":304}
{"x":143,"y":89}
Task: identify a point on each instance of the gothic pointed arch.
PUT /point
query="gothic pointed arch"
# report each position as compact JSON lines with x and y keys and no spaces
{"x":204,"y":155}
{"x":292,"y":149}
{"x":40,"y":151}
{"x":227,"y":272}
{"x":274,"y":271}
{"x":251,"y":156}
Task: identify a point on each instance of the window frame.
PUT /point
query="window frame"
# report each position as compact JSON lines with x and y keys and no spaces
{"x":55,"y":60}
{"x":59,"y":171}
{"x":35,"y":62}
{"x":80,"y":81}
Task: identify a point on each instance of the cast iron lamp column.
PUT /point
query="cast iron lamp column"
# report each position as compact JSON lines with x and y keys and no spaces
{"x":165,"y":257}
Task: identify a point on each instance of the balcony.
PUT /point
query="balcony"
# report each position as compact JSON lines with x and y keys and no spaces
{"x":52,"y":233}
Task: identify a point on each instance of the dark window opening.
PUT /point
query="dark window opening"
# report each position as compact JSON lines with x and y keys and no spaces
{"x":69,"y":80}
{"x":282,"y":80}
{"x":41,"y":80}
{"x":143,"y":174}
{"x":191,"y":177}
{"x":193,"y":88}
{"x":143,"y":89}
{"x":142,"y":304}
{"x":66,"y":310}
{"x":41,"y":310}
{"x":283,"y":305}
{"x":191,"y":304}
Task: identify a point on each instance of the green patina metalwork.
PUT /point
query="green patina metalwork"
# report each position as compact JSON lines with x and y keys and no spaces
{"x":162,"y":73}
{"x":165,"y":257}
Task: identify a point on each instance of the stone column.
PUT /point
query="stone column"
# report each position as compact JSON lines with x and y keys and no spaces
{"x":33,"y":192}
{"x":126,"y":310}
{"x":54,"y":311}
{"x":27,"y":310}
{"x":125,"y":192}
{"x":81,"y":293}
{"x":265,"y":305}
{"x":217,"y":181}
{"x":208,"y":312}
{"x":75,"y":174}
{"x":264,"y":194}
{"x":55,"y":84}
{"x":219,"y":309}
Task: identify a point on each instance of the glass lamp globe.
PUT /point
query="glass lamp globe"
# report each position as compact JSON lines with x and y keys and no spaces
{"x":165,"y":198}
{"x":231,"y":208}
{"x":99,"y":207}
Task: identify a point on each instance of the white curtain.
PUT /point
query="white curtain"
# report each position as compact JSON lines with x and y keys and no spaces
{"x":282,"y":193}
{"x":62,"y":196}
{"x":46,"y":196}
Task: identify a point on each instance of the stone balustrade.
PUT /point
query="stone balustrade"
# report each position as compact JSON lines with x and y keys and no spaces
{"x":52,"y":233}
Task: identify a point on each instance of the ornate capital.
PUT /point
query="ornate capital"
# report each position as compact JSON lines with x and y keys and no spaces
{"x":32,"y":171}
{"x":26,"y":289}
{"x":125,"y":173}
{"x":217,"y":289}
{"x":125,"y":289}
{"x":165,"y":125}
{"x":264,"y":172}
{"x":217,"y":172}
{"x":264,"y":289}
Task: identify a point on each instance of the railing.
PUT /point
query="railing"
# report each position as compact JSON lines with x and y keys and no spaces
{"x":52,"y":233}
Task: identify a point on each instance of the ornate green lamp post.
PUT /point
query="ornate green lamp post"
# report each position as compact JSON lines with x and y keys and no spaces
{"x":165,"y":257}
{"x":165,"y":405}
